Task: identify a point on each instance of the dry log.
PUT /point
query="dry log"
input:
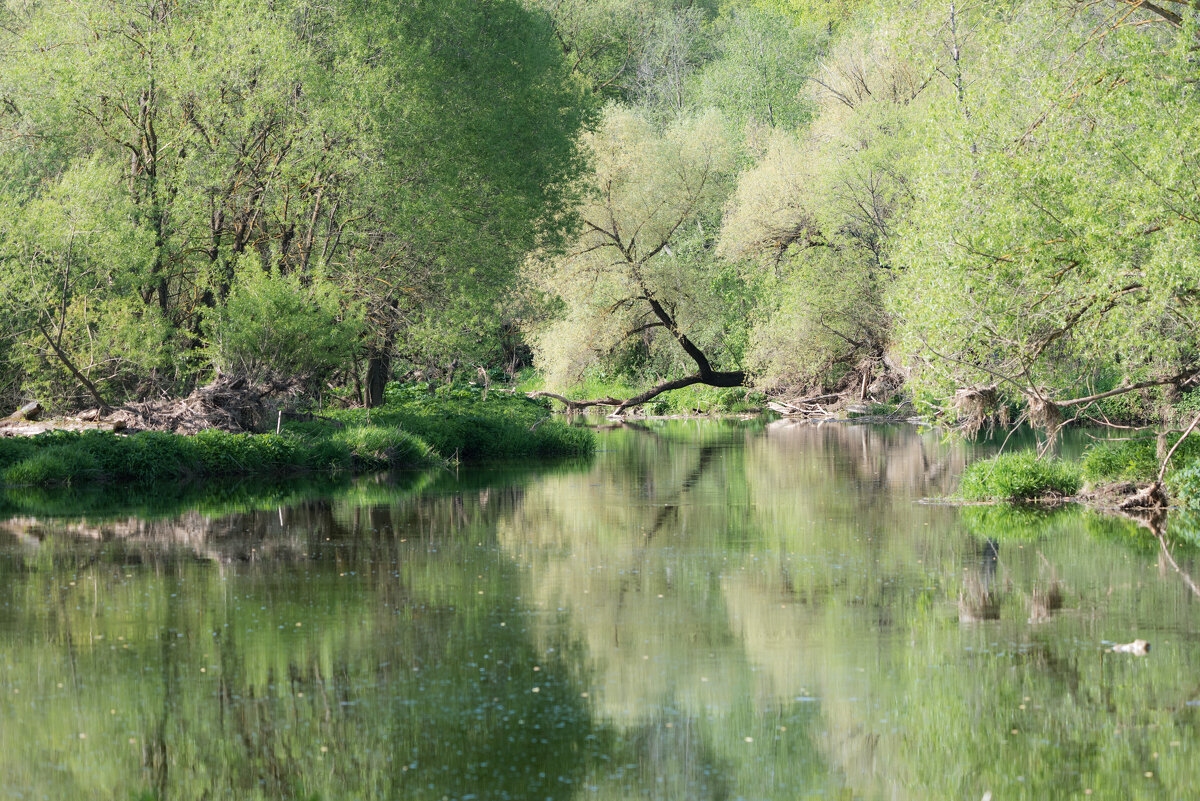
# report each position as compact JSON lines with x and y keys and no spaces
{"x":29,"y":411}
{"x":33,"y":428}
{"x":574,"y":406}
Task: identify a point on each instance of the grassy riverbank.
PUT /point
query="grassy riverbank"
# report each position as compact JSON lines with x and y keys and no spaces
{"x":417,"y":427}
{"x":1021,"y":476}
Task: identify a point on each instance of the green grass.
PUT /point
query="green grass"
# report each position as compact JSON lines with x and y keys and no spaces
{"x":459,"y":424}
{"x":418,"y":426}
{"x":1020,"y":476}
{"x":1134,"y":460}
{"x":68,"y":457}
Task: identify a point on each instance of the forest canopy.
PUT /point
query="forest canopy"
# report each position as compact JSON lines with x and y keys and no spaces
{"x":992,"y":204}
{"x":378,"y":169}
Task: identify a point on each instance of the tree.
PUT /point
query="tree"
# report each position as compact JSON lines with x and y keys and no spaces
{"x":759,"y":75}
{"x":813,"y":221}
{"x":641,"y":264}
{"x":476,"y":126}
{"x":408,"y":152}
{"x":1050,"y":259}
{"x":635,"y":51}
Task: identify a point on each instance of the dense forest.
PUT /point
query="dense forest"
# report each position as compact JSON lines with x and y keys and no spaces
{"x":991,"y":207}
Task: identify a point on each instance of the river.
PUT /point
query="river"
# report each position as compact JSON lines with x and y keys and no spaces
{"x":704,"y":610}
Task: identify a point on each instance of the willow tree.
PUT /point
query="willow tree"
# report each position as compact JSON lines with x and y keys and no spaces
{"x":406,"y":153}
{"x":1051,"y":257}
{"x":207,"y":132}
{"x":640,"y":267}
{"x":812,"y":221}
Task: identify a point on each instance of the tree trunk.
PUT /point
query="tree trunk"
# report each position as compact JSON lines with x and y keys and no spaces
{"x":66,"y":360}
{"x":711,"y":378}
{"x":379,"y":369}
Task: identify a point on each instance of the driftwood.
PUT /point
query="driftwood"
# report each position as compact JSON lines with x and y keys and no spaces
{"x":30,"y":411}
{"x":33,"y":428}
{"x":24,"y":422}
{"x":237,"y":405}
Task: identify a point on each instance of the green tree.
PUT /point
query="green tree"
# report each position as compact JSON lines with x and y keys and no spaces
{"x":1050,"y":259}
{"x":410,"y":152}
{"x":641,"y":263}
{"x":760,"y":72}
{"x":812,"y":222}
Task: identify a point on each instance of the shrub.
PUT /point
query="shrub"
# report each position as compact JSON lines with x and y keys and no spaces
{"x":457,"y":423}
{"x":275,"y":323}
{"x":55,"y":465}
{"x":376,"y":447}
{"x":1020,"y":476}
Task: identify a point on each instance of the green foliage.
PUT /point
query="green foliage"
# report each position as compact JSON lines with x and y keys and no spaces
{"x":812,"y":221}
{"x":280,"y":324}
{"x":1020,"y":476}
{"x":759,"y":74}
{"x":648,"y":211}
{"x":1129,"y":461}
{"x":275,"y":170}
{"x":378,"y":447}
{"x":56,"y":465}
{"x":1048,"y":240}
{"x":1134,"y":460}
{"x":69,"y":260}
{"x":67,"y":458}
{"x":459,"y":424}
{"x":1184,"y":485}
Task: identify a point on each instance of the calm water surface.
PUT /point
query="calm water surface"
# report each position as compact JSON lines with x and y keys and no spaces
{"x":703,"y":611}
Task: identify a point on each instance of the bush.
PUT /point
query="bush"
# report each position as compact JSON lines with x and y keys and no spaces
{"x":458,"y":423}
{"x":275,"y":323}
{"x":56,"y":465}
{"x":1020,"y":476}
{"x":374,"y":447}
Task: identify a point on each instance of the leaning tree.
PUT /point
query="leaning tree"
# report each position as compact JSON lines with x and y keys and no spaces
{"x":640,"y":264}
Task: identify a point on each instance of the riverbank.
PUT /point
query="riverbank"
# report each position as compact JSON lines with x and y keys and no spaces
{"x":1121,"y":475}
{"x":418,"y":427}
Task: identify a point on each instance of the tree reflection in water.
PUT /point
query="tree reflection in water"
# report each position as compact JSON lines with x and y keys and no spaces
{"x":705,"y":611}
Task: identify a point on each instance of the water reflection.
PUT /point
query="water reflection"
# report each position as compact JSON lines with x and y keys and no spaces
{"x":706,"y":611}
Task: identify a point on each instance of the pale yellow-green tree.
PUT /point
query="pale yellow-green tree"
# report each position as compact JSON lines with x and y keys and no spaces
{"x":813,"y":219}
{"x":640,"y":264}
